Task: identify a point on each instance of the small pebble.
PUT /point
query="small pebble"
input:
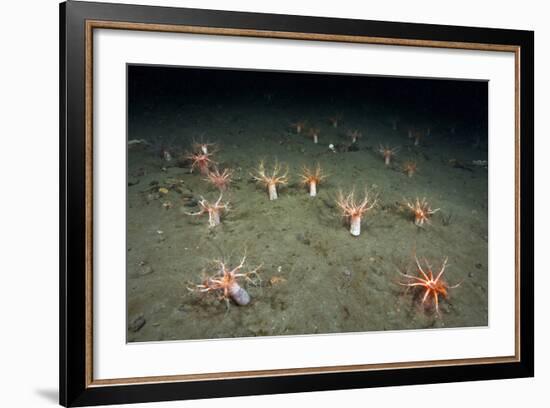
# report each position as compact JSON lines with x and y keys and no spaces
{"x":346,"y":272}
{"x":137,"y":324}
{"x":145,"y":270}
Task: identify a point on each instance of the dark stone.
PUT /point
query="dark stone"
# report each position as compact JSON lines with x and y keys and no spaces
{"x":478,"y":265}
{"x":191,"y":203}
{"x":328,"y":203}
{"x":137,"y":324}
{"x":302,"y":238}
{"x":140,"y":172}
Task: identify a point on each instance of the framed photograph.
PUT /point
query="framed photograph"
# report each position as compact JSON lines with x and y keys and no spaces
{"x":256,"y":204}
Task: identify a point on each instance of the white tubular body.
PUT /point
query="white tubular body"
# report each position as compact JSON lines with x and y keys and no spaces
{"x":355,"y":226}
{"x":239,"y":295}
{"x":272,"y":189}
{"x":213,"y":218}
{"x":312,"y":189}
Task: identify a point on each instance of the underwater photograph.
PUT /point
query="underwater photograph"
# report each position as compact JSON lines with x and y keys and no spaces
{"x":269,"y":203}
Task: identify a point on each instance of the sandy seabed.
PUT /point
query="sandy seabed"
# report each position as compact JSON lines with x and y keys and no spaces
{"x":315,"y":276}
